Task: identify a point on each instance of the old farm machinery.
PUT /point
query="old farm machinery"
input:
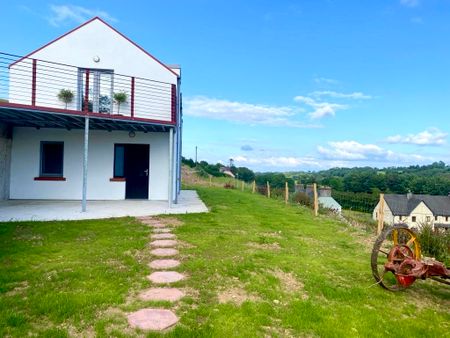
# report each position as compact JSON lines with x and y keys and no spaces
{"x":397,"y":262}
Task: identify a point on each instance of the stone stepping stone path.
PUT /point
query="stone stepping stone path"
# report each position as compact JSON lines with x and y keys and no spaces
{"x":159,"y":264}
{"x":161,"y":252}
{"x":163,"y":236}
{"x":164,"y":243}
{"x":161,"y":294}
{"x":152,"y":319}
{"x":165,"y":277}
{"x":162,"y":230}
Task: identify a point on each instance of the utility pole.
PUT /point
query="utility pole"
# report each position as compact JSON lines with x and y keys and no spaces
{"x":196,"y":155}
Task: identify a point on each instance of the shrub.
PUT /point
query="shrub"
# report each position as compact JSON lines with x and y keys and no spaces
{"x":119,"y":98}
{"x":302,"y":198}
{"x":434,"y":242}
{"x":66,"y":96}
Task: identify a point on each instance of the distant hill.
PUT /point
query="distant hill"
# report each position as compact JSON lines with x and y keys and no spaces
{"x":431,"y":179}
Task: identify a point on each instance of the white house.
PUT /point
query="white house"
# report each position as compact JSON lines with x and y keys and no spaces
{"x":94,"y":146}
{"x":415,"y":210}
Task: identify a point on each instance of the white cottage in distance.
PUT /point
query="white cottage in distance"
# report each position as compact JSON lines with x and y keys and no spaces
{"x":113,"y":133}
{"x":415,"y":210}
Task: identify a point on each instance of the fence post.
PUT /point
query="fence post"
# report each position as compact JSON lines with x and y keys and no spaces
{"x":268,"y":189}
{"x":242,"y":185}
{"x":286,"y":193}
{"x":254,"y":187}
{"x":210,"y":180}
{"x":132,"y":97}
{"x":380,"y":214}
{"x":33,"y":83}
{"x":86,"y":92}
{"x":316,"y":200}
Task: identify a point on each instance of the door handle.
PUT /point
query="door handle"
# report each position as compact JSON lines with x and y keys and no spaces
{"x":146,"y":172}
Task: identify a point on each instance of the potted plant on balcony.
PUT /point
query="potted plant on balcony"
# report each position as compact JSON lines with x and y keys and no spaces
{"x":119,"y":98}
{"x":66,"y":96}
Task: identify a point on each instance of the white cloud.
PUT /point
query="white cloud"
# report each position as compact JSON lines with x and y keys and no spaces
{"x":320,"y":109}
{"x":278,"y":161}
{"x":355,"y":151}
{"x":410,"y":3}
{"x":62,"y":14}
{"x":431,"y":136}
{"x":201,"y":106}
{"x":337,"y":95}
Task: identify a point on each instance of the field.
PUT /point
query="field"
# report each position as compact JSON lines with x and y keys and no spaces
{"x":255,"y":267}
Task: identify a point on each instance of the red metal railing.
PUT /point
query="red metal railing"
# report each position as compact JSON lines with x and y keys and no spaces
{"x":54,"y":86}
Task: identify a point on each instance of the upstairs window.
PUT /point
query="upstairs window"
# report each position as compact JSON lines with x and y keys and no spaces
{"x":52,"y":158}
{"x":428,"y":218}
{"x":435,"y":218}
{"x":413,"y":219}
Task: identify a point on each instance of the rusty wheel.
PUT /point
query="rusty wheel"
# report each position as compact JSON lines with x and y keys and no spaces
{"x":399,"y":242}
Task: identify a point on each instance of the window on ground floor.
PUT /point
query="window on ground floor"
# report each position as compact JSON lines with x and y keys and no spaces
{"x":52,"y":158}
{"x":435,"y":218}
{"x":119,"y":160}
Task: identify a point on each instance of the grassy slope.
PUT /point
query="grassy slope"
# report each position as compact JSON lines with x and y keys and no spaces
{"x":328,"y":258}
{"x":58,"y":277}
{"x":79,"y":278}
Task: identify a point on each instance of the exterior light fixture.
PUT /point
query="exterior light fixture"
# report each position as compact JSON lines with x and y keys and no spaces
{"x":132,"y":134}
{"x":96,"y":58}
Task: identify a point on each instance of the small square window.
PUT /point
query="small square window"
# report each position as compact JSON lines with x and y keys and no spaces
{"x":52,"y":158}
{"x":413,"y":218}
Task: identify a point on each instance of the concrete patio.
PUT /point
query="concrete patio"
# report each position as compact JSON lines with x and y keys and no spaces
{"x":51,"y":210}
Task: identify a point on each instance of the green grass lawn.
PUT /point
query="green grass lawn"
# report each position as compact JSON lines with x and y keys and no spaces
{"x":255,"y":267}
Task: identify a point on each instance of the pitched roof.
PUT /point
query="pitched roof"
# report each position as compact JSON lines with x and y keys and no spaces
{"x":401,"y":205}
{"x":329,"y":203}
{"x":96,"y":18}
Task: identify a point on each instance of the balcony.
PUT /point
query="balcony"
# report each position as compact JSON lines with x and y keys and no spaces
{"x":43,"y":94}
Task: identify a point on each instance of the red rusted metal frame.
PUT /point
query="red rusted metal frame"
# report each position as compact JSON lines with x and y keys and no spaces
{"x":407,"y":269}
{"x":86,"y":93}
{"x":33,"y":83}
{"x":174,"y":104}
{"x":132,"y":98}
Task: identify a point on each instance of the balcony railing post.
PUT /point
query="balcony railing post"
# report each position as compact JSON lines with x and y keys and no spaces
{"x":132,"y":97}
{"x":33,"y":83}
{"x":174,"y":102}
{"x":86,"y":92}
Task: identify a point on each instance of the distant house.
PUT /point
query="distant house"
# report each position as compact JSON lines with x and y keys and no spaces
{"x":415,"y":210}
{"x":324,"y":196}
{"x":90,"y":98}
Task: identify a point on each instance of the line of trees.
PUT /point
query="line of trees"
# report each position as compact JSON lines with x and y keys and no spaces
{"x":433,"y":179}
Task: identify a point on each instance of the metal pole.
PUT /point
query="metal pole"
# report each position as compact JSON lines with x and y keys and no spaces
{"x":195,"y":154}
{"x":170,"y":167}
{"x":85,"y":163}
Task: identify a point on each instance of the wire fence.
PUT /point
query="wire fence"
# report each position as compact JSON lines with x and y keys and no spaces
{"x":40,"y":83}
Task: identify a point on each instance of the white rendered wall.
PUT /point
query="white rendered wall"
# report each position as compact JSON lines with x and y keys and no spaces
{"x":25,"y":161}
{"x":152,"y":100}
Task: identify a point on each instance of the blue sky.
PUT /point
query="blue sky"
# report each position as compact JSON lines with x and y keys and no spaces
{"x":285,"y":85}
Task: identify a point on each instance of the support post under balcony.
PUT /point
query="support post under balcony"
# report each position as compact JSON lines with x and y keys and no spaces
{"x":85,"y":164}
